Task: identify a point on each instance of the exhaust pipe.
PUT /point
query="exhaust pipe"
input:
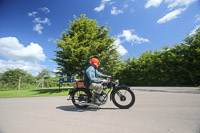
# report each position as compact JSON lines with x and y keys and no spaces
{"x":86,"y":103}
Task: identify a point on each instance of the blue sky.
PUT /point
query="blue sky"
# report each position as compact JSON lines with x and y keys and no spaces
{"x":29,"y":27}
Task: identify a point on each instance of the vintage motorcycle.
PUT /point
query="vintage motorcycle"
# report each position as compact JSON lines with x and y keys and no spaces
{"x":121,"y":95}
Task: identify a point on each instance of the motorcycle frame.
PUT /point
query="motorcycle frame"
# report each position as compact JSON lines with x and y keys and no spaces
{"x":113,"y":88}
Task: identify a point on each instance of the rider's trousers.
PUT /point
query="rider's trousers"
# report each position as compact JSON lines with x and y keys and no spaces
{"x":97,"y":87}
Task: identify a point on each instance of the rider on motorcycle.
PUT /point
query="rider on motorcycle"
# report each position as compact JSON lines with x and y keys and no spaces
{"x":91,"y":80}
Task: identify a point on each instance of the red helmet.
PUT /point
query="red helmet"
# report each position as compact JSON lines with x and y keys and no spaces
{"x":95,"y":62}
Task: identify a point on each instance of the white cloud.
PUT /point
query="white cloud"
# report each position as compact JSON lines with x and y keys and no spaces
{"x":184,"y":4}
{"x":197,"y":18}
{"x":56,"y":70}
{"x":50,"y":39}
{"x":38,"y":28}
{"x":45,"y":21}
{"x":19,"y":56}
{"x":130,"y":37}
{"x":111,"y":3}
{"x":127,"y":36}
{"x":179,"y":3}
{"x":172,"y":15}
{"x":101,"y":6}
{"x":38,"y":21}
{"x":171,"y":3}
{"x":154,"y":3}
{"x":32,"y":14}
{"x":103,"y":1}
{"x":125,"y":6}
{"x":12,"y":49}
{"x":114,"y":11}
{"x":194,"y":31}
{"x":120,"y":48}
{"x":45,"y":9}
{"x":30,"y":67}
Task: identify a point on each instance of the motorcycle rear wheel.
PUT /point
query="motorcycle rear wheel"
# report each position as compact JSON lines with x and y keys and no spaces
{"x":123,"y":98}
{"x":80,"y":96}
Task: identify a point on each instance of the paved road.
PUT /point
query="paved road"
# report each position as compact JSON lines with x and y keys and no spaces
{"x":157,"y":109}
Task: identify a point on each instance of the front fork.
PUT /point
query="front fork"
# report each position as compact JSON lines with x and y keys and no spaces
{"x":115,"y":90}
{"x":111,"y":94}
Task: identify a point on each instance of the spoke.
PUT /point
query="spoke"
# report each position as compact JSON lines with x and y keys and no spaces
{"x":119,"y":93}
{"x":127,"y":96}
{"x":125,"y":93}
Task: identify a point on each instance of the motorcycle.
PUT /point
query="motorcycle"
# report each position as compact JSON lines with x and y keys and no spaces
{"x":121,"y":95}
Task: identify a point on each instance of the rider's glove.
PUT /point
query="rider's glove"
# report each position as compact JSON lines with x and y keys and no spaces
{"x":109,"y":77}
{"x":104,"y":81}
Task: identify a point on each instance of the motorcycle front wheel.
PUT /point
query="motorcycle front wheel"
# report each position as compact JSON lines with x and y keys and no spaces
{"x":123,"y":98}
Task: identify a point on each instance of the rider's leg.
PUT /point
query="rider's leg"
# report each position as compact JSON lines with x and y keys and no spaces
{"x":99,"y":89}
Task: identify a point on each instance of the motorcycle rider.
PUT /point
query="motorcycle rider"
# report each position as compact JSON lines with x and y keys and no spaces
{"x":91,"y":80}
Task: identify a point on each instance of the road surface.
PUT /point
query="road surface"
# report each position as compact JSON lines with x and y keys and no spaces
{"x":157,"y":109}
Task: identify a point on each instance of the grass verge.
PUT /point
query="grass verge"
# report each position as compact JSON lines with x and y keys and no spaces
{"x":34,"y":93}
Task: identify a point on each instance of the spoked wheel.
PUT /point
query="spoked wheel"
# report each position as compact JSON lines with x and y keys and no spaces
{"x":123,"y":98}
{"x":79,"y":97}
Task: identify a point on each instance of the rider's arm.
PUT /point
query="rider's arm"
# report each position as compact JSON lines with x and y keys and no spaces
{"x":100,"y":74}
{"x":91,"y":75}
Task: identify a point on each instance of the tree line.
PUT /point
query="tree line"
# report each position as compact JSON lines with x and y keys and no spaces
{"x":10,"y":79}
{"x":171,"y":66}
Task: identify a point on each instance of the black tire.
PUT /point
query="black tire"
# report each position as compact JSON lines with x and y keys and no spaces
{"x":80,"y":95}
{"x":116,"y":94}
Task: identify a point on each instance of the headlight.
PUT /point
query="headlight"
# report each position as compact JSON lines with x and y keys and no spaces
{"x":117,"y":82}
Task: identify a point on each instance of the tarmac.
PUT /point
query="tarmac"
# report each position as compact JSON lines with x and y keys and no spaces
{"x":156,"y":110}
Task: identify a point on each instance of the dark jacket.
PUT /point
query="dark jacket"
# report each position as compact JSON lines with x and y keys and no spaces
{"x":91,"y":76}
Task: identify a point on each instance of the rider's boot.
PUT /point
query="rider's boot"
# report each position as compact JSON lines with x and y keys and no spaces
{"x":96,"y":99}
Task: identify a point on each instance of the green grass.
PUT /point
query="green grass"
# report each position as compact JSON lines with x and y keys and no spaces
{"x":34,"y":93}
{"x":37,"y":92}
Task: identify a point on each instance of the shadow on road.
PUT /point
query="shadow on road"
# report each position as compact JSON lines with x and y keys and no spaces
{"x":72,"y":108}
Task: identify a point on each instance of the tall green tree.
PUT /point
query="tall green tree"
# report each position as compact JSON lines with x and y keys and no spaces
{"x":83,"y":40}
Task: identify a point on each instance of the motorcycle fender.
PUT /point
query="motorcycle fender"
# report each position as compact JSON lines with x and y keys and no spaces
{"x":118,"y":87}
{"x":71,"y":91}
{"x":123,"y":87}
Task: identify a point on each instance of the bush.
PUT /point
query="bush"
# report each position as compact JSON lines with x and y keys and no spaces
{"x":177,"y":66}
{"x":27,"y":86}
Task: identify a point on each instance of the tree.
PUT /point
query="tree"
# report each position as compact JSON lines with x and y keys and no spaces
{"x":10,"y":78}
{"x":85,"y":39}
{"x":193,"y":56}
{"x":44,"y":73}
